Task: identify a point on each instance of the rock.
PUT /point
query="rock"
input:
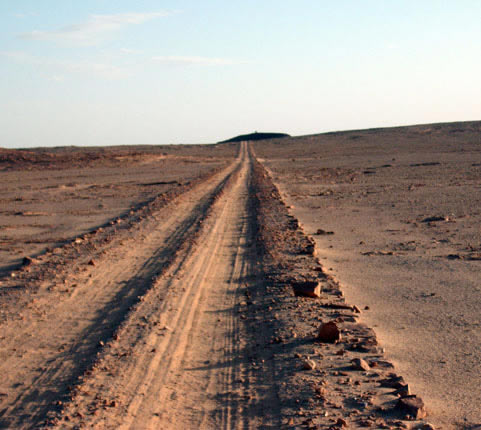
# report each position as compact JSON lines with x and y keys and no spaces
{"x":321,"y":232}
{"x":308,"y":364}
{"x":404,"y":391}
{"x":435,"y":219}
{"x":329,"y":333}
{"x":308,"y":249}
{"x":427,"y":426}
{"x":341,"y":422}
{"x":91,"y":263}
{"x":393,"y":381}
{"x":307,"y":289}
{"x":359,"y":364}
{"x":366,"y":345}
{"x":413,"y":406}
{"x":27,"y":261}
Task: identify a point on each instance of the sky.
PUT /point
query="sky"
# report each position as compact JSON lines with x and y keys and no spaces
{"x":118,"y":72}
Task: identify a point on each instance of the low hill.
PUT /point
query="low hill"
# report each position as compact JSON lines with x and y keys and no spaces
{"x":255,"y":136}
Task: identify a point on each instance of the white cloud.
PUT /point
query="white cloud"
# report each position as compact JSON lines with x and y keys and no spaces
{"x":60,"y":67}
{"x":193,"y":60}
{"x":94,"y":29}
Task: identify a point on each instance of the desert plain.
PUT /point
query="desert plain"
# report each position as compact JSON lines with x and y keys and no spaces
{"x":324,"y":281}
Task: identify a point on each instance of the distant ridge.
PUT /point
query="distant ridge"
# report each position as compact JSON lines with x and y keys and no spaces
{"x":255,"y":136}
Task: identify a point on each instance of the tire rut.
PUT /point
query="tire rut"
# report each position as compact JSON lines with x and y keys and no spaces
{"x":58,"y":337}
{"x":190,"y":367}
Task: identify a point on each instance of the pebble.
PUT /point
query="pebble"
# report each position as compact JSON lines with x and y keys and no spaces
{"x":308,"y":364}
{"x":359,"y":364}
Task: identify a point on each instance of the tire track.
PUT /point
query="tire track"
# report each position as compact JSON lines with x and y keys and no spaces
{"x":189,"y":369}
{"x":57,"y":339}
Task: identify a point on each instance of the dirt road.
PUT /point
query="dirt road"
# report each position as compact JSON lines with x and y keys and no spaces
{"x":167,"y":295}
{"x":186,"y":318}
{"x":183,"y":367}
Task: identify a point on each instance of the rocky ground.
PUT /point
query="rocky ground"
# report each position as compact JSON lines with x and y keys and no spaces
{"x":395,"y":217}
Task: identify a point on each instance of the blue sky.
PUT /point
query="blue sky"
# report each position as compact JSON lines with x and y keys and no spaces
{"x":105,"y":72}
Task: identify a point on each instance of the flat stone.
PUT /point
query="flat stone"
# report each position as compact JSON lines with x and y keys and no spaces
{"x":359,"y":364}
{"x":413,"y":406}
{"x":393,"y":381}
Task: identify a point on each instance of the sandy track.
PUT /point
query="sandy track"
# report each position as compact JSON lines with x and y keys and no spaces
{"x":52,"y":342}
{"x":186,"y":367}
{"x":190,"y":321}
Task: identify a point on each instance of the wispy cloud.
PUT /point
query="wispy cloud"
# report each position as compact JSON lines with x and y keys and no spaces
{"x":194,"y":60}
{"x":96,"y":28}
{"x":60,"y":67}
{"x":130,"y":51}
{"x":57,"y":78}
{"x":22,"y":14}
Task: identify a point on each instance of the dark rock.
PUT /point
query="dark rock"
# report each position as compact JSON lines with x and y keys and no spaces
{"x":435,"y":219}
{"x":307,"y":288}
{"x":393,"y":381}
{"x":366,"y":345}
{"x":413,"y":406}
{"x":321,"y":232}
{"x":329,"y":333}
{"x":308,"y":248}
{"x":404,"y":391}
{"x":27,"y":261}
